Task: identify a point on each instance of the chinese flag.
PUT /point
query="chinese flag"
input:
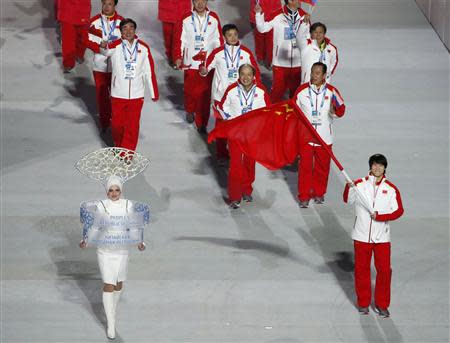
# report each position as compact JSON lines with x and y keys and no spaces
{"x":272,"y":135}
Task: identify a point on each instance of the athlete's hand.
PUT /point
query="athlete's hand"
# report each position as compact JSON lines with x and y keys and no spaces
{"x":202,"y":70}
{"x":141,"y":246}
{"x":103,"y":44}
{"x":373,"y":215}
{"x":258,"y":8}
{"x":82,"y":244}
{"x":178,"y":63}
{"x":307,"y":18}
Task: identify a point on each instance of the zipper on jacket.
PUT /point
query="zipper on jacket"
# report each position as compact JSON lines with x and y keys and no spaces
{"x":370,"y":229}
{"x":129,"y":89}
{"x":354,"y":224}
{"x":276,"y":52}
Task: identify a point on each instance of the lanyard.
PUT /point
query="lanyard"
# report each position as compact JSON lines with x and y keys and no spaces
{"x":294,"y":24}
{"x":111,"y":28}
{"x":250,"y":97}
{"x":375,"y":190}
{"x":234,"y":60}
{"x":200,"y":24}
{"x":133,"y":54}
{"x":317,"y":94}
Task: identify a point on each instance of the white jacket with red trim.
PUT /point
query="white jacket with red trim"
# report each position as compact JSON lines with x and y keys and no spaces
{"x":387,"y":204}
{"x":309,"y":99}
{"x":124,"y":88}
{"x":236,"y":99}
{"x":284,"y":54}
{"x":236,"y":56}
{"x":311,"y":53}
{"x":207,"y":27}
{"x":98,"y":33}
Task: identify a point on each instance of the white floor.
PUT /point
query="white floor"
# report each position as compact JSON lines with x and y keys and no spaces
{"x":266,"y":273}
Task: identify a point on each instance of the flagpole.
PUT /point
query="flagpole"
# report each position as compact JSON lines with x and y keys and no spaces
{"x":321,"y":142}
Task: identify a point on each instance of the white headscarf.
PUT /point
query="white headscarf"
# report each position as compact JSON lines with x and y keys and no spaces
{"x":114,"y":180}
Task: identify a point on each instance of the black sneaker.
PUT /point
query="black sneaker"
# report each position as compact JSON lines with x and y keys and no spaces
{"x":235,"y":205}
{"x":319,"y":200}
{"x":190,"y":117}
{"x":247,"y":198}
{"x":202,"y":130}
{"x":304,"y":204}
{"x":363,"y":310}
{"x":382,"y":312}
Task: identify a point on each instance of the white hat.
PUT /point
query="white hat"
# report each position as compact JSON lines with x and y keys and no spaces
{"x":114,"y":180}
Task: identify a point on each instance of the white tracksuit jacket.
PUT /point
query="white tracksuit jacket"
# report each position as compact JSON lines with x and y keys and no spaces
{"x":309,"y":99}
{"x":223,"y":60}
{"x":236,"y":101}
{"x":134,"y":88}
{"x":208,"y":31}
{"x":311,"y":53}
{"x":387,"y":203}
{"x":102,"y":28}
{"x":284,"y":54}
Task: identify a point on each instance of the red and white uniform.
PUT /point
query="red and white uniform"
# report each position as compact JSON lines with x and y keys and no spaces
{"x":74,"y":18}
{"x":169,"y":13}
{"x":132,"y":70}
{"x":195,"y":38}
{"x":103,"y":28}
{"x":311,"y":53}
{"x":264,"y":41}
{"x":236,"y":102}
{"x":286,"y":52}
{"x":314,"y":163}
{"x":226,"y":60}
{"x":372,"y":236}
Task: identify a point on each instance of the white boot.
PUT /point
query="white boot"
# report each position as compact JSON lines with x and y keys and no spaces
{"x":116,"y":301}
{"x":108,"y":304}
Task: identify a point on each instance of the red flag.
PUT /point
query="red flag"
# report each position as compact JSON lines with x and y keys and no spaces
{"x":272,"y":136}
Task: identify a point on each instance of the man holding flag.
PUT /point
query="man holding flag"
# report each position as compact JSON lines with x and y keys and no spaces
{"x":240,"y":98}
{"x":321,"y":103}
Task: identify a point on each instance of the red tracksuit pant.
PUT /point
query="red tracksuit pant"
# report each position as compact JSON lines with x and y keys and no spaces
{"x":72,"y":43}
{"x":221,"y":143}
{"x":197,"y":96}
{"x":382,"y":259}
{"x":284,"y":79}
{"x":263,"y":45}
{"x":313,"y":171}
{"x":126,"y":114}
{"x":168,"y":30}
{"x":241,"y":173}
{"x":103,"y":94}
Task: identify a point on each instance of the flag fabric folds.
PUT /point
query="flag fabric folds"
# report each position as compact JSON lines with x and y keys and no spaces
{"x":273,"y":136}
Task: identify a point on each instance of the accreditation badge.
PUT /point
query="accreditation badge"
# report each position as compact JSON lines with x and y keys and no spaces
{"x":246,"y":109}
{"x":287,"y":33}
{"x":232,"y":74}
{"x":316,"y":119}
{"x":130,"y":70}
{"x":199,"y":45}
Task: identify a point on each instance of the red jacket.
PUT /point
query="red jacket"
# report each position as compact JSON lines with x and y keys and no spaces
{"x":77,"y":12}
{"x":170,"y":11}
{"x":268,"y":7}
